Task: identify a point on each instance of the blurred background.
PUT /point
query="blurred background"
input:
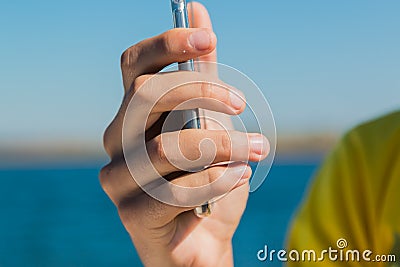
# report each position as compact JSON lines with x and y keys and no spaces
{"x":323,"y":66}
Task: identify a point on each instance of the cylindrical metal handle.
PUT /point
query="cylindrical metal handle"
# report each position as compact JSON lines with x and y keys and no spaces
{"x":191,"y":117}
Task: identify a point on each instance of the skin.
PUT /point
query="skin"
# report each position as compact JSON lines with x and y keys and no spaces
{"x":166,"y":235}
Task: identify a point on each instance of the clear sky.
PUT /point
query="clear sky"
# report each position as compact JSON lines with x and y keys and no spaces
{"x":323,"y":65}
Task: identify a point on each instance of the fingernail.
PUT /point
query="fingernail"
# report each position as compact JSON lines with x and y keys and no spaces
{"x":236,"y":100}
{"x":200,"y":40}
{"x":258,"y":144}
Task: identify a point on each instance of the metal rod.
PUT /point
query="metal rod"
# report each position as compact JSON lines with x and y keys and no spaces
{"x":190,"y":117}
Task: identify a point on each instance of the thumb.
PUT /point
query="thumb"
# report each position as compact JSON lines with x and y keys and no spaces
{"x":199,"y":18}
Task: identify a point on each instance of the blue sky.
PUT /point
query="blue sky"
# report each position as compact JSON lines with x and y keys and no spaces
{"x":323,"y":65}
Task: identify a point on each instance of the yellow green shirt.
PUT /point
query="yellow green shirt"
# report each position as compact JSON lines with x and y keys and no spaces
{"x":356,"y":197}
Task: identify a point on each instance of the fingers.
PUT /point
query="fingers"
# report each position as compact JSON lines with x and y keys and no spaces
{"x":153,"y":95}
{"x":190,"y":150}
{"x":176,"y":45}
{"x":171,"y":152}
{"x":199,"y":18}
{"x":223,"y":179}
{"x":188,"y":90}
{"x":117,"y":182}
{"x":153,"y":54}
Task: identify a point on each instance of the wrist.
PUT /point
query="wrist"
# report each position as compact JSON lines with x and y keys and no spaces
{"x":160,"y":257}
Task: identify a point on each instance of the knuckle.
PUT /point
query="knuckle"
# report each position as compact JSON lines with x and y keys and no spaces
{"x":168,"y":42}
{"x":226,"y":92}
{"x":159,"y":149}
{"x":106,"y":140}
{"x":164,"y":43}
{"x":104,"y":178}
{"x":129,"y":56}
{"x":206,"y":90}
{"x":225,"y":144}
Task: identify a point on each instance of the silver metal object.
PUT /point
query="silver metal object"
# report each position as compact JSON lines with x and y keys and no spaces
{"x":190,"y":117}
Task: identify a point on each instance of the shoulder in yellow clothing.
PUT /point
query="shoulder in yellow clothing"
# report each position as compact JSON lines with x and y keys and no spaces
{"x":353,"y":205}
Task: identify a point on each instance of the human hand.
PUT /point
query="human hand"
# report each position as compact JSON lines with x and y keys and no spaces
{"x":164,"y":234}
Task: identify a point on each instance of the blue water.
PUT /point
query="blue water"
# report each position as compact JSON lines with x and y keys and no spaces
{"x":61,"y":217}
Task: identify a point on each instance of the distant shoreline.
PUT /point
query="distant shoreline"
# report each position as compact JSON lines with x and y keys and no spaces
{"x":290,"y":149}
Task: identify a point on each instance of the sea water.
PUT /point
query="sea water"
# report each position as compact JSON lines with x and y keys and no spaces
{"x":61,"y":217}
